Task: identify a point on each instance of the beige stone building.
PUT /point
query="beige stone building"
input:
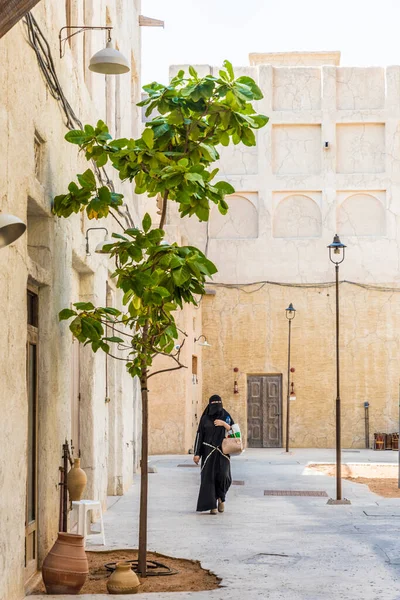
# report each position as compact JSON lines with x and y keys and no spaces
{"x":328,"y":161}
{"x":52,"y":389}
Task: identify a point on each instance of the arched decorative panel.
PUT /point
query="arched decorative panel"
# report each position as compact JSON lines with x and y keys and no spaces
{"x":297,"y":216}
{"x":241,"y":221}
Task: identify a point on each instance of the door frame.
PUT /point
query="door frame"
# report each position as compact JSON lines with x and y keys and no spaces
{"x":32,"y":527}
{"x":280,"y":375}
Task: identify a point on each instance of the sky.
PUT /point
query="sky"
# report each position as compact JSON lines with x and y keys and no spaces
{"x":209,"y":31}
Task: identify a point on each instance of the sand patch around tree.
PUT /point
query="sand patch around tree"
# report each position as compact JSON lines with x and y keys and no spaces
{"x":380,"y":478}
{"x":190,"y":576}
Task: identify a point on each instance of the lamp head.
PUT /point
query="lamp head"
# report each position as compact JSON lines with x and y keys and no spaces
{"x":101,"y":247}
{"x":338,"y":249}
{"x":11,"y":228}
{"x":109,"y":61}
{"x":205,"y":344}
{"x":290,"y":312}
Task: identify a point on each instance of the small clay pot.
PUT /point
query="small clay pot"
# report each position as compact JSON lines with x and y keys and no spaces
{"x":123,"y":580}
{"x":76,"y":481}
{"x":65,"y":568}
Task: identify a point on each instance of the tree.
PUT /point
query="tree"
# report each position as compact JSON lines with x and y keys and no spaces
{"x":171,"y":160}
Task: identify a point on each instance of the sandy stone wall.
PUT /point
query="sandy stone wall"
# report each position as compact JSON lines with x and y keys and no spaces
{"x":248,"y":329}
{"x":51,"y":256}
{"x":326,"y":162}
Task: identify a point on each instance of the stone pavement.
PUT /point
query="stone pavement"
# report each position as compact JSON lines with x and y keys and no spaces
{"x":278,"y":548}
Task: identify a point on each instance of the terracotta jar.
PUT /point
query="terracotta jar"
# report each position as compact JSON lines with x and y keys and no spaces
{"x":65,"y":568}
{"x":123,"y":580}
{"x":76,"y":481}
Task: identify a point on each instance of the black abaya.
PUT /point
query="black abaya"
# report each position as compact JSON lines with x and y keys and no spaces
{"x":216,"y":467}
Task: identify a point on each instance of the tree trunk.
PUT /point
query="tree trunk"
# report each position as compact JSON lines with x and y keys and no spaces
{"x":144,"y":476}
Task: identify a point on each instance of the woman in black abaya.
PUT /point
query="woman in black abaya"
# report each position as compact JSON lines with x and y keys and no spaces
{"x":215,"y":466}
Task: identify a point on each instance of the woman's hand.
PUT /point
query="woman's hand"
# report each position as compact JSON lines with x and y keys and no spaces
{"x":220,"y":423}
{"x":196,"y":459}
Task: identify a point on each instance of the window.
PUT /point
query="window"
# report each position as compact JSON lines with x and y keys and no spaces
{"x":194,"y":369}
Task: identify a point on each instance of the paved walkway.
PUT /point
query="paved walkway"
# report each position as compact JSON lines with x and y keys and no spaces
{"x":278,"y":548}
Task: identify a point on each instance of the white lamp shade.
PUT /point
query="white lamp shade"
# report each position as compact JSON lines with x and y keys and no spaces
{"x":100,"y":248}
{"x":205,"y":344}
{"x":109,"y":61}
{"x":11,"y":228}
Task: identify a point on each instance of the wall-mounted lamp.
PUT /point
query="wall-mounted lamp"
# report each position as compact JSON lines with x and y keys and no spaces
{"x":235,"y":383}
{"x":11,"y":228}
{"x":205,"y":343}
{"x":100,"y":248}
{"x":108,"y":61}
{"x":292,"y":395}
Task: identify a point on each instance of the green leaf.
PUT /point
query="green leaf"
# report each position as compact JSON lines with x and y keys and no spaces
{"x":148,"y":137}
{"x":181,"y":275}
{"x":223,"y":207}
{"x":65,"y":314}
{"x":195,"y":177}
{"x":146,"y":223}
{"x":76,"y":326}
{"x":229,"y":68}
{"x":249,"y":82}
{"x":102,"y":159}
{"x":87,"y":179}
{"x":77,"y":136}
{"x":209,"y":152}
{"x":193,"y":72}
{"x":84,"y":306}
{"x":224,"y":139}
{"x":225,"y":187}
{"x":116,"y":340}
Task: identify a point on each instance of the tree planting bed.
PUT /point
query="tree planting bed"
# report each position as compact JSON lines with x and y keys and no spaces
{"x":190,"y":576}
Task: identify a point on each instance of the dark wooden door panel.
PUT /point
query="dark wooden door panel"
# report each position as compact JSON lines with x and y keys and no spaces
{"x":264,"y":411}
{"x":255,"y":413}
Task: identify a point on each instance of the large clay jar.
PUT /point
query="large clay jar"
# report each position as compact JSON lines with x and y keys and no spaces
{"x":65,"y":568}
{"x":123,"y":580}
{"x":76,"y":481}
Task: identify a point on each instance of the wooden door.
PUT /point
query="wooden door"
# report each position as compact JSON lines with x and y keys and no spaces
{"x":31,"y":510}
{"x":264,"y":411}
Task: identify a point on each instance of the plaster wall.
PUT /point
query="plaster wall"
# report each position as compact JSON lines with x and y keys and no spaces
{"x":51,"y":256}
{"x":326,"y":162}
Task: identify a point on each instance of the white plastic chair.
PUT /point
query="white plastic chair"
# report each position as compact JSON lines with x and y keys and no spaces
{"x":83,"y":507}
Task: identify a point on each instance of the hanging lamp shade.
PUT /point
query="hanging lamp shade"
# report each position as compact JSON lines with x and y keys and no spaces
{"x":109,"y":61}
{"x":101,"y":247}
{"x":11,"y":228}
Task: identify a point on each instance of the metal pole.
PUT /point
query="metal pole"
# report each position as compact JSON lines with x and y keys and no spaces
{"x":366,"y":407}
{"x":338,"y":416}
{"x":288,"y":390}
{"x":65,"y":488}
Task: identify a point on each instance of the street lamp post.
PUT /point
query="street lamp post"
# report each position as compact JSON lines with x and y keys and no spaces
{"x":336,"y":256}
{"x":290,"y":315}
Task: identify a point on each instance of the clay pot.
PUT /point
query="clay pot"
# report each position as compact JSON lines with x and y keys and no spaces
{"x":123,"y":580}
{"x":65,"y":568}
{"x":76,"y":481}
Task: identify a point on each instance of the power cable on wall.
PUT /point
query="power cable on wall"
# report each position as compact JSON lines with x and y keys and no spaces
{"x":328,"y":284}
{"x":41,"y":47}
